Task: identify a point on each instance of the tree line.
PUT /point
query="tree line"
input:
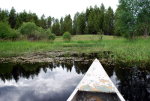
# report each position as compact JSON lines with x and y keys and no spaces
{"x":132,"y":18}
{"x":94,"y":20}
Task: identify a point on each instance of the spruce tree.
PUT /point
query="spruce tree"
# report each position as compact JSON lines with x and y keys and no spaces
{"x":109,"y":22}
{"x":12,"y":18}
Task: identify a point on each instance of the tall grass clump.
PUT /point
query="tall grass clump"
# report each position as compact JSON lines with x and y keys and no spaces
{"x":67,"y":36}
{"x":51,"y":36}
{"x":100,"y":34}
{"x":14,"y":34}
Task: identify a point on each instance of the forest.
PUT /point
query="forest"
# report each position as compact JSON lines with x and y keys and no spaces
{"x":130,"y":20}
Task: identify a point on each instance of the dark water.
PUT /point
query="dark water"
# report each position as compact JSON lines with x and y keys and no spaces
{"x":56,"y":81}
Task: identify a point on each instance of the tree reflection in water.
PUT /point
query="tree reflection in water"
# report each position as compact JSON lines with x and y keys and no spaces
{"x":133,"y":83}
{"x":10,"y":71}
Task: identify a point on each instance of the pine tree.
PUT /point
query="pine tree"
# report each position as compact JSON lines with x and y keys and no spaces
{"x":4,"y":15}
{"x":68,"y":24}
{"x":12,"y":18}
{"x":101,"y":18}
{"x":56,"y":27}
{"x":62,"y":26}
{"x":49,"y":22}
{"x":109,"y":22}
{"x":42,"y":22}
{"x":75,"y":23}
{"x":81,"y":24}
{"x":90,"y":21}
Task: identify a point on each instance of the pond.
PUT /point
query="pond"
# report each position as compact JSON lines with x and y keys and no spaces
{"x":56,"y":81}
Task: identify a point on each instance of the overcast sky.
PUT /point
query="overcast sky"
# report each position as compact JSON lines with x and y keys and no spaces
{"x":55,"y":8}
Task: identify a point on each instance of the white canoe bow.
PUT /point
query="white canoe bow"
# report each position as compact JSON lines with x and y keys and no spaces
{"x":97,"y":81}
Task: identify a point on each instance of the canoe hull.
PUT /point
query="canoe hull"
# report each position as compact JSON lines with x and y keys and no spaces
{"x":96,"y":82}
{"x":95,"y":96}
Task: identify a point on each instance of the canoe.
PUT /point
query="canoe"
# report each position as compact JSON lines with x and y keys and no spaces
{"x":96,"y":86}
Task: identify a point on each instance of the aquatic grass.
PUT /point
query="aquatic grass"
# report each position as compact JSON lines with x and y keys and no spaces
{"x":122,"y":49}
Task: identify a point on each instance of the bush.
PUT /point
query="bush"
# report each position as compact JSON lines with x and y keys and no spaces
{"x":51,"y":37}
{"x":4,"y":30}
{"x":32,"y":31}
{"x":48,"y":31}
{"x":28,"y":28}
{"x":7,"y":33}
{"x":67,"y":36}
{"x":34,"y":36}
{"x":42,"y":33}
{"x":14,"y":34}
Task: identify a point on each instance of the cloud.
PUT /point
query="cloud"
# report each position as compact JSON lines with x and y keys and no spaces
{"x":55,"y":8}
{"x":50,"y":86}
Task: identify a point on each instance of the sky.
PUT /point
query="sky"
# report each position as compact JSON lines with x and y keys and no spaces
{"x":55,"y":8}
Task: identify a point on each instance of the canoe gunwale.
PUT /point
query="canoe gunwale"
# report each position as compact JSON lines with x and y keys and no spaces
{"x":98,"y":92}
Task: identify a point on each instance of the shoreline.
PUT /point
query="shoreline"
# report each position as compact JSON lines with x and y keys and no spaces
{"x":59,"y":56}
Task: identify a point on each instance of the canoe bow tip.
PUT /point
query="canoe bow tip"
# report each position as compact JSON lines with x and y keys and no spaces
{"x":93,"y":74}
{"x":96,"y":60}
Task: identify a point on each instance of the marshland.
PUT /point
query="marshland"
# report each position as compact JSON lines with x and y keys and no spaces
{"x":43,"y":58}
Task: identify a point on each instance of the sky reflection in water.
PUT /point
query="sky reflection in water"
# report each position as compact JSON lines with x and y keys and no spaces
{"x":55,"y":81}
{"x":55,"y":85}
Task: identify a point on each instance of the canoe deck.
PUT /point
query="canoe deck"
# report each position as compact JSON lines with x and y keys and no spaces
{"x":97,"y":81}
{"x":95,"y":96}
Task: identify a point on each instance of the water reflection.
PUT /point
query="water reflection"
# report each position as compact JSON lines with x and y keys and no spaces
{"x":134,"y":83}
{"x":38,"y":84}
{"x":9,"y":71}
{"x":56,"y":81}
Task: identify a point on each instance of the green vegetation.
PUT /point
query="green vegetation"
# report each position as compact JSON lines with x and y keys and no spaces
{"x":51,"y":37}
{"x":7,"y":33}
{"x":28,"y":28}
{"x":122,"y":49}
{"x":67,"y":36}
{"x":100,"y":33}
{"x":89,"y":22}
{"x":130,"y":21}
{"x":5,"y":30}
{"x":33,"y":32}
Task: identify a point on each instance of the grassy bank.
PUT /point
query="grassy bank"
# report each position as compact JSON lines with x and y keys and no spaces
{"x":122,"y":49}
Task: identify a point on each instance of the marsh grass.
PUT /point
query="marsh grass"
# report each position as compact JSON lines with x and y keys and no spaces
{"x":122,"y":49}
